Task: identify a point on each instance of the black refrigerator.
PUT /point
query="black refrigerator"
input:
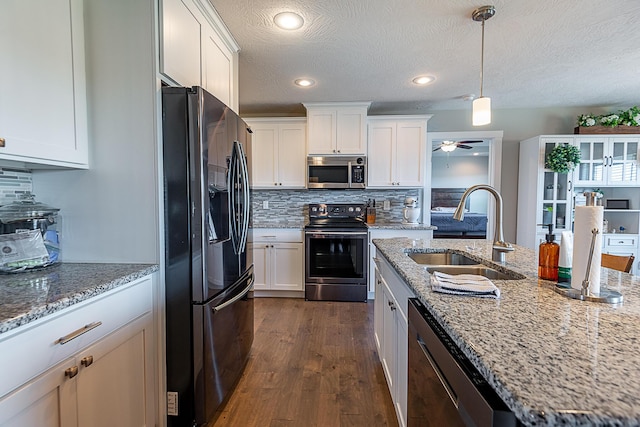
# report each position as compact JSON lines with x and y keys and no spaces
{"x":208,"y":270}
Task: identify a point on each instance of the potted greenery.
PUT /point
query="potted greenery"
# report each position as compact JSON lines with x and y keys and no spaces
{"x":563,"y":158}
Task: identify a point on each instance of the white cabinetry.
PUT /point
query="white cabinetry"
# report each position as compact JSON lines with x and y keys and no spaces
{"x":337,"y":128}
{"x":397,"y":151}
{"x":102,"y":377}
{"x":544,"y":197}
{"x":43,"y":113}
{"x":607,"y":161}
{"x":622,"y":244}
{"x":278,"y":259}
{"x":391,"y":332}
{"x":197,"y":50}
{"x":277,"y":157}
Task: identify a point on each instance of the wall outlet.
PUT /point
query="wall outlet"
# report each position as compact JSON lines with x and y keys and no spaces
{"x":265,"y":204}
{"x":386,"y":205}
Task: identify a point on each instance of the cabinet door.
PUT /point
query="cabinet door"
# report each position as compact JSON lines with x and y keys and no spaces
{"x":591,"y":170}
{"x":378,"y":312}
{"x":390,"y":343}
{"x":47,"y":401}
{"x":351,"y":131}
{"x":381,"y":148}
{"x":217,"y":67}
{"x":409,"y":153}
{"x":622,"y":165}
{"x":287,"y":263}
{"x":264,"y":143}
{"x":181,"y":34}
{"x":321,"y":131}
{"x":261,"y":261}
{"x":115,"y":383}
{"x":402,"y":366}
{"x":291,"y":156}
{"x":42,"y":81}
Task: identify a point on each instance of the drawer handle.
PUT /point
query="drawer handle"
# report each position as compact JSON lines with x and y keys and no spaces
{"x":71,"y":372}
{"x":86,"y":361}
{"x":75,"y":334}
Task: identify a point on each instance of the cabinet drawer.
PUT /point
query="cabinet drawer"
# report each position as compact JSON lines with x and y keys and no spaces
{"x":620,"y":241}
{"x":277,"y":235}
{"x":31,"y":349}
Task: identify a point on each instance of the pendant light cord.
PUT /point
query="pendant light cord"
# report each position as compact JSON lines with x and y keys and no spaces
{"x":482,"y":61}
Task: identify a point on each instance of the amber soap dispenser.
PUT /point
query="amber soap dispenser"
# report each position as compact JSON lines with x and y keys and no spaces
{"x":549,"y":253}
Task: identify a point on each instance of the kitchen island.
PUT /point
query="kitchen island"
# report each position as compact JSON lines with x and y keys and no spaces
{"x":553,"y":360}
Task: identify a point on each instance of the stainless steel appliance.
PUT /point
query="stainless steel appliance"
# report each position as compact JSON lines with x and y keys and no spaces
{"x":444,"y":388}
{"x":208,"y":272}
{"x":336,"y":172}
{"x":336,"y":253}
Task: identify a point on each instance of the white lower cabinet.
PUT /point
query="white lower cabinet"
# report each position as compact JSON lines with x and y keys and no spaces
{"x":108,"y":382}
{"x":278,"y":260}
{"x":391,"y":332}
{"x":622,"y":244}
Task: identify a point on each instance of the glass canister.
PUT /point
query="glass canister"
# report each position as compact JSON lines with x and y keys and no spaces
{"x":30,"y":234}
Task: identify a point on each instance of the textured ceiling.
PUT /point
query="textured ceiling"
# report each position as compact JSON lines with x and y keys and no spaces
{"x":538,"y":53}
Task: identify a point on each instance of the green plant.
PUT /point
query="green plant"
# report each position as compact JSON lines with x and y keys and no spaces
{"x":563,"y":158}
{"x":630,"y":117}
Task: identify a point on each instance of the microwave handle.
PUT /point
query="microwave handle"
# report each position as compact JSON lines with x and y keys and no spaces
{"x":349,"y":172}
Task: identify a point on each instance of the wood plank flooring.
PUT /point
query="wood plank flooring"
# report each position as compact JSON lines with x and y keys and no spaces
{"x":313,"y":363}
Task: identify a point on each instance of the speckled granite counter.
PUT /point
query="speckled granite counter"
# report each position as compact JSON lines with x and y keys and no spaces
{"x":296,"y":224}
{"x":399,"y":226}
{"x":553,"y":360}
{"x":25,"y":297}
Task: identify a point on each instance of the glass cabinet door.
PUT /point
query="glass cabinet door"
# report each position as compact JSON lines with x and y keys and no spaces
{"x":592,"y":162}
{"x":622,"y":165}
{"x":556,"y":197}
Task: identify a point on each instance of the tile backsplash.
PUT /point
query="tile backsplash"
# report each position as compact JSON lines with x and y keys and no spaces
{"x":12,"y":183}
{"x":292,"y":204}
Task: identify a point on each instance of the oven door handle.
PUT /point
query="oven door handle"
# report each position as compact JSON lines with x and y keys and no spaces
{"x":325,"y":234}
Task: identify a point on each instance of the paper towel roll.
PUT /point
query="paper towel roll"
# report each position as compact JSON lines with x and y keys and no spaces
{"x":586,"y":219}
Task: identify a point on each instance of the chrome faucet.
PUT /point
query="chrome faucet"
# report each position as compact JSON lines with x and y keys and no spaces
{"x":500,"y":247}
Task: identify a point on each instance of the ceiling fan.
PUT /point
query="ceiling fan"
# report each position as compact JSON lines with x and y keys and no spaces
{"x":449,"y":146}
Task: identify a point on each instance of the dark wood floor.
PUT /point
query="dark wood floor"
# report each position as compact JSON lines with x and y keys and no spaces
{"x":312,"y":364}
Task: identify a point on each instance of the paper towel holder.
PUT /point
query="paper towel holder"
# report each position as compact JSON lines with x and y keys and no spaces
{"x":605,"y":295}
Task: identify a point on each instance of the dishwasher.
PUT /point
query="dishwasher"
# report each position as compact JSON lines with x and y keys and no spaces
{"x":444,"y":388}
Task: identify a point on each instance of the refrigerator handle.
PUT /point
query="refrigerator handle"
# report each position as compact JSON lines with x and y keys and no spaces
{"x":246,"y":200}
{"x":236,"y":298}
{"x":231,"y":185}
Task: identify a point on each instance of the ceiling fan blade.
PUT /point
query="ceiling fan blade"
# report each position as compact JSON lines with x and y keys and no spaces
{"x":436,"y":149}
{"x":469,"y":142}
{"x":466,"y":147}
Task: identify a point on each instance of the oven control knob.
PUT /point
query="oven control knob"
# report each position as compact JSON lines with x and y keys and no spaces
{"x":358,"y":209}
{"x":350,"y":209}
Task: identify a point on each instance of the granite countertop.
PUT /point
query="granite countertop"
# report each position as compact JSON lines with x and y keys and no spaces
{"x":400,"y":226}
{"x":553,"y":360}
{"x":25,"y":297}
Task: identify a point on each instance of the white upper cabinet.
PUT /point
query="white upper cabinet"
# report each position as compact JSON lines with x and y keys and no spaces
{"x":277,"y":153}
{"x":397,"y":151}
{"x":43,"y":113}
{"x":197,"y":50}
{"x":607,"y":160}
{"x":337,"y":128}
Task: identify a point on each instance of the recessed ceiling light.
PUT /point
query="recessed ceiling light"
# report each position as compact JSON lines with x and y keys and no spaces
{"x":288,"y":20}
{"x":423,"y":80}
{"x":304,"y":82}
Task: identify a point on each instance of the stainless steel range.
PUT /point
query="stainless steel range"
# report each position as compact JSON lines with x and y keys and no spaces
{"x":336,"y":253}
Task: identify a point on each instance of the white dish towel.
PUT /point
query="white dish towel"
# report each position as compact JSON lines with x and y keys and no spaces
{"x":464,"y":284}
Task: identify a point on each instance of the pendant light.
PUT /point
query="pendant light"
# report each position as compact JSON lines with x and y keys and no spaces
{"x":482,"y":105}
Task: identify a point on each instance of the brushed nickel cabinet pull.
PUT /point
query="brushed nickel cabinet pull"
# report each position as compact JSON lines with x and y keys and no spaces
{"x":71,"y":372}
{"x":75,"y":334}
{"x":2,"y":142}
{"x":86,"y":361}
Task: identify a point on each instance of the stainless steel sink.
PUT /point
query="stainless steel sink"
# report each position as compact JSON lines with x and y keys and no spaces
{"x":441,"y":258}
{"x":478,"y":269}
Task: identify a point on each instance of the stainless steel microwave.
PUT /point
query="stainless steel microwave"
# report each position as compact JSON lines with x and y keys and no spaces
{"x":336,"y":172}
